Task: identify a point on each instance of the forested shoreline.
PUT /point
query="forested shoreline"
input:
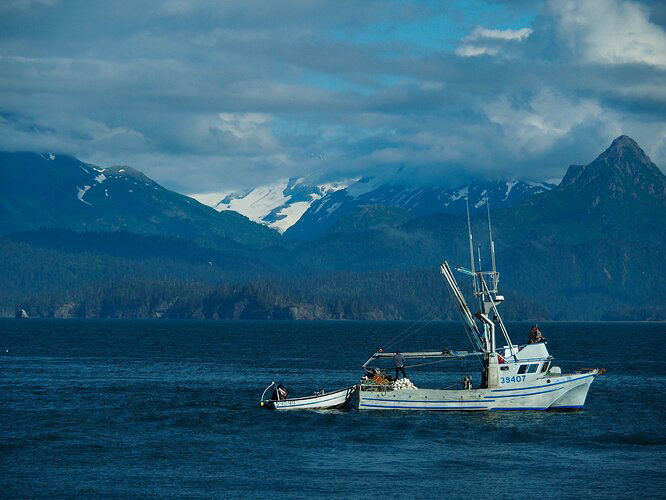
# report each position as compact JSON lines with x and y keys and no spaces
{"x":169,"y":278}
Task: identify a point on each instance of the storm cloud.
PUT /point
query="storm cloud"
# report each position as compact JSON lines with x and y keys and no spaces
{"x":206,"y":96}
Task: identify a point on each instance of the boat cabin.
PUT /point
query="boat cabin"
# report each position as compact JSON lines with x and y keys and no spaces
{"x":519,"y":364}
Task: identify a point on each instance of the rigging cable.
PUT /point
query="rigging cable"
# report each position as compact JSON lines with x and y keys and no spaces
{"x":431,"y":363}
{"x":398,"y":338}
{"x":476,"y":346}
{"x":413,"y":332}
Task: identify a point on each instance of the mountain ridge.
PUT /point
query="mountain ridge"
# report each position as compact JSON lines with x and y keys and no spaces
{"x":324,"y":213}
{"x":589,"y":248}
{"x":38,"y":190}
{"x":278,"y":205}
{"x":618,"y":195}
{"x":624,"y":158}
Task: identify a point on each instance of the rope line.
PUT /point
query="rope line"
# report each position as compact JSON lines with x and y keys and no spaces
{"x":397,"y":337}
{"x":413,"y":332}
{"x":431,"y":363}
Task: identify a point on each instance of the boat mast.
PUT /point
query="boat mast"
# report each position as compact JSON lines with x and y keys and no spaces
{"x":495,"y":275}
{"x":488,"y":326}
{"x":485,"y":289}
{"x":471,"y":248}
{"x":489,"y":292}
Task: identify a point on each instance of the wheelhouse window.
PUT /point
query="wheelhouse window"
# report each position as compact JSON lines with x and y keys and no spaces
{"x":533,"y":368}
{"x":522,"y":369}
{"x":545,"y":366}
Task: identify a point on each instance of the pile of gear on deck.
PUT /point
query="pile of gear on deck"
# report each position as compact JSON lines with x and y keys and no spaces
{"x":403,"y":383}
{"x":376,"y":377}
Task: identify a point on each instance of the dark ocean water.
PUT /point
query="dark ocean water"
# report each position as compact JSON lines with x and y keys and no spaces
{"x":169,"y":408}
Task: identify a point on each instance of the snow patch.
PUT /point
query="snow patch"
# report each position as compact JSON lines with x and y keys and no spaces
{"x":100,"y":178}
{"x":331,"y":187}
{"x":268,"y":204}
{"x":509,"y":187}
{"x":460,"y":193}
{"x":259,"y":202}
{"x":210,"y":199}
{"x":363,"y":186}
{"x":82,"y":193}
{"x":543,"y":186}
{"x":482,"y":199}
{"x":289,"y":216}
{"x":333,"y":207}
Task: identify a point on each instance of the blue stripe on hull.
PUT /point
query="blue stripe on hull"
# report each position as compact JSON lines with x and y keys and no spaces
{"x":519,"y":395}
{"x":504,"y":408}
{"x":577,"y":407}
{"x":430,"y":400}
{"x":509,"y":408}
{"x":424,"y":407}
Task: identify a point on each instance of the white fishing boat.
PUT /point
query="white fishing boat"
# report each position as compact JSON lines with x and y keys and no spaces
{"x":318,"y":401}
{"x":513,"y":377}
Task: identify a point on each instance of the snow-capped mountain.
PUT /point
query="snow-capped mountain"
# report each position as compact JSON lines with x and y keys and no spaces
{"x":59,"y":191}
{"x":279,"y":205}
{"x":327,"y":210}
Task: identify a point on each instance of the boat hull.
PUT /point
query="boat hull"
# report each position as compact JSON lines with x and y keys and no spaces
{"x":550,"y":393}
{"x":328,"y":400}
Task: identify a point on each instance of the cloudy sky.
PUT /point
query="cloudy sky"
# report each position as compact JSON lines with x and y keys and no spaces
{"x":208,"y":95}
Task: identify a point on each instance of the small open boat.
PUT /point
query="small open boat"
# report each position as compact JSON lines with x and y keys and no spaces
{"x":318,"y":401}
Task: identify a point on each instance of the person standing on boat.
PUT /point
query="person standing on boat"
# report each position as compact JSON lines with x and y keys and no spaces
{"x":535,"y":335}
{"x":399,"y":364}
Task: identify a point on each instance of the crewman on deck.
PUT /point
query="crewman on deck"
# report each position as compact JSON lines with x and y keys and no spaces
{"x":535,"y":335}
{"x":399,"y":364}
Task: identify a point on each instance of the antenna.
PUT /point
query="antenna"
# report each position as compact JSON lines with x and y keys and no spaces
{"x":471,"y":246}
{"x":492,"y":247}
{"x":478,"y":252}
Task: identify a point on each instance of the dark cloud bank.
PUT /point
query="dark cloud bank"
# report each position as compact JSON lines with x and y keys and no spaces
{"x":205,"y":96}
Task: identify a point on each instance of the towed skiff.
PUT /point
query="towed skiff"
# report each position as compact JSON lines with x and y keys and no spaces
{"x":318,"y":401}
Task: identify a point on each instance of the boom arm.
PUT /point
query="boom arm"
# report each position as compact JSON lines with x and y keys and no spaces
{"x":463,"y":308}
